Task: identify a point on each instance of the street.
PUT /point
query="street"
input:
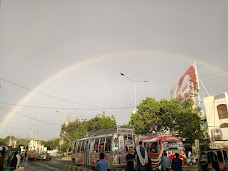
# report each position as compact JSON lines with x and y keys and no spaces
{"x":55,"y":164}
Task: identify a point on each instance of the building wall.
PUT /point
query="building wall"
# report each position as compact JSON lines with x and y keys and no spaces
{"x":217,"y":116}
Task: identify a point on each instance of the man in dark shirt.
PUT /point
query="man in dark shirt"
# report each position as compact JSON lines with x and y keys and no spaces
{"x":130,"y":160}
{"x":176,"y":163}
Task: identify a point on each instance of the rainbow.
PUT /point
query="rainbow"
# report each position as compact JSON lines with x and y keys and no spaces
{"x":89,"y":59}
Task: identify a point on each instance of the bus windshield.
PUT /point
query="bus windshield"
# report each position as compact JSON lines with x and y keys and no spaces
{"x":173,"y":145}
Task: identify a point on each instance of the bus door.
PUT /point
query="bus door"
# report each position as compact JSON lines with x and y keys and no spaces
{"x":154,"y":154}
{"x":93,"y":151}
{"x":121,"y":149}
{"x":107,"y":150}
{"x":115,"y":149}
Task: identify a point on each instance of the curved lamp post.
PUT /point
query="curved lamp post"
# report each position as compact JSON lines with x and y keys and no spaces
{"x":134,"y":82}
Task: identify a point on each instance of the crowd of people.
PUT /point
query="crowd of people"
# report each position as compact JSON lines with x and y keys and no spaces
{"x":143,"y":162}
{"x":9,"y":160}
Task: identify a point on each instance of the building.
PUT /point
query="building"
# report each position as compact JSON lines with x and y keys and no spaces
{"x":217,"y":119}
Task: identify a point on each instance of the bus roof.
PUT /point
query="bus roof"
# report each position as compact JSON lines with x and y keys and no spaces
{"x":159,"y":138}
{"x":111,"y":131}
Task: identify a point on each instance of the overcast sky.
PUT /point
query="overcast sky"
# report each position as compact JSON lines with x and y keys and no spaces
{"x":67,"y":56}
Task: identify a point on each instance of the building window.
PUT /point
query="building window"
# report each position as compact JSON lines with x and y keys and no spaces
{"x":222,"y":111}
{"x":224,"y":125}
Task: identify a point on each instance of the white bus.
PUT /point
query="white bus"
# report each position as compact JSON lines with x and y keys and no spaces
{"x":113,"y":142}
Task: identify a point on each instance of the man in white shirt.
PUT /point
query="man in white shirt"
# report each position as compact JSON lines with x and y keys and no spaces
{"x":18,"y":159}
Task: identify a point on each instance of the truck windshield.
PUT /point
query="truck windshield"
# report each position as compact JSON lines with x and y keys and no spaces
{"x":173,"y":145}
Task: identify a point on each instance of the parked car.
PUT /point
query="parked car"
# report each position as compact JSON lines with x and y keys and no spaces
{"x":59,"y":154}
{"x":44,"y":156}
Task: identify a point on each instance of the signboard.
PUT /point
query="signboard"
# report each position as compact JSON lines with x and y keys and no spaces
{"x":183,"y":89}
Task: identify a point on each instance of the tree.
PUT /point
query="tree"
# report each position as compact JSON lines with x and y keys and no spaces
{"x":101,"y":121}
{"x":52,"y":144}
{"x":146,"y":115}
{"x":172,"y":114}
{"x":74,"y":130}
{"x":2,"y":141}
{"x":78,"y":129}
{"x":10,"y":138}
{"x":168,"y":112}
{"x":22,"y":142}
{"x":189,"y":124}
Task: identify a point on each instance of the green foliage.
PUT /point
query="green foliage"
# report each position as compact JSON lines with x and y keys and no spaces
{"x":52,"y":144}
{"x":168,"y":112}
{"x":78,"y":129}
{"x":2,"y":141}
{"x":22,"y":142}
{"x":74,"y":130}
{"x":125,"y":126}
{"x":174,"y":114}
{"x":189,"y":125}
{"x":7,"y":139}
{"x":145,"y":116}
{"x":101,"y":121}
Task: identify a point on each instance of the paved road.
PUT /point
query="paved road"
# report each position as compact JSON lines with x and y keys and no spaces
{"x":53,"y":165}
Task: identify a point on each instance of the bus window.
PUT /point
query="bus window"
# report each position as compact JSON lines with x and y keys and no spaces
{"x":91,"y":146}
{"x":101,"y":145}
{"x":108,"y":145}
{"x":78,"y":147}
{"x":96,"y":142}
{"x":154,"y":147}
{"x":82,"y":146}
{"x":128,"y":142}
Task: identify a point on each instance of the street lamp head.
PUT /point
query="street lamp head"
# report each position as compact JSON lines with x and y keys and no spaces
{"x":122,"y":74}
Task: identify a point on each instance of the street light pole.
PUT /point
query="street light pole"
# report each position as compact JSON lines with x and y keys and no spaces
{"x":134,"y":81}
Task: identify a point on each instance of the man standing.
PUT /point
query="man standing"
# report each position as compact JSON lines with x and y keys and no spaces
{"x":102,"y":164}
{"x":130,"y":160}
{"x":142,"y":157}
{"x":18,"y":160}
{"x":13,"y":163}
{"x":165,"y":162}
{"x":176,"y":163}
{"x":2,"y":157}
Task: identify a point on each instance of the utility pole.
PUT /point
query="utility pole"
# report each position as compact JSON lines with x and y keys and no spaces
{"x":36,"y":131}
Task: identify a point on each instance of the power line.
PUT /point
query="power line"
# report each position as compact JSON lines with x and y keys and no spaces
{"x":44,"y":94}
{"x":50,"y":123}
{"x":46,"y":107}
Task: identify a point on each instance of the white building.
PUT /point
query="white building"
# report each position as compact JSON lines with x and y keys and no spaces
{"x":217,"y":117}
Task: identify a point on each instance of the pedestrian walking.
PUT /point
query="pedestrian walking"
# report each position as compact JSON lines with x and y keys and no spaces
{"x":18,"y":160}
{"x":176,"y":163}
{"x":2,"y":157}
{"x":13,"y":163}
{"x":102,"y":164}
{"x":165,"y":162}
{"x":142,"y":157}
